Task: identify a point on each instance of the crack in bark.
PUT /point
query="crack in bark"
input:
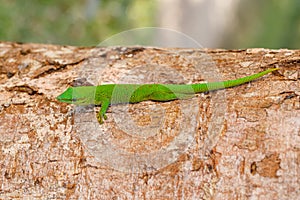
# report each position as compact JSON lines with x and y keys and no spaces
{"x":23,"y":88}
{"x":55,"y":66}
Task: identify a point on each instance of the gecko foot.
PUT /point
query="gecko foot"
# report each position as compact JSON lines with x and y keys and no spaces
{"x":101,"y":118}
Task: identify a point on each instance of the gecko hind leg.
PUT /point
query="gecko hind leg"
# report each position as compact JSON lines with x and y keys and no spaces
{"x":184,"y":96}
{"x":162,"y":96}
{"x":165,"y":96}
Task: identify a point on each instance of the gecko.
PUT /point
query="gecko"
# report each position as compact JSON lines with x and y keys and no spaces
{"x":111,"y":94}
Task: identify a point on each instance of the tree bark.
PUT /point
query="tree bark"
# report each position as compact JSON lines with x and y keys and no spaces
{"x":238,"y":143}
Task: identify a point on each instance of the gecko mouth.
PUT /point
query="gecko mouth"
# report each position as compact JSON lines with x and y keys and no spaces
{"x":68,"y":100}
{"x":76,"y":101}
{"x":65,"y":100}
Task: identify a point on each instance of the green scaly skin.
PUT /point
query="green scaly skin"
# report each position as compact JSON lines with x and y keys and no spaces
{"x":110,"y":94}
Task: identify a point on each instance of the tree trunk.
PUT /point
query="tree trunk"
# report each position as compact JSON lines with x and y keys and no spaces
{"x":238,"y":143}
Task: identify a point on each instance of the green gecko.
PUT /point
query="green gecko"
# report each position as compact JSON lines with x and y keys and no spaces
{"x":110,"y":94}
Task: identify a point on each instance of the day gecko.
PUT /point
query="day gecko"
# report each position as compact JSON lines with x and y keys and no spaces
{"x":110,"y":94}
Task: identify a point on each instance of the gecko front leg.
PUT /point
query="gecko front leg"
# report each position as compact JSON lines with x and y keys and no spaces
{"x":101,"y":116}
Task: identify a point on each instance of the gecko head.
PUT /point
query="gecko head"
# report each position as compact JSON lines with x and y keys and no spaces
{"x":84,"y":95}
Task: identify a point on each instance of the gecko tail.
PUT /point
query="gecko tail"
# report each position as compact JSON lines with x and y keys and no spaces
{"x":230,"y":83}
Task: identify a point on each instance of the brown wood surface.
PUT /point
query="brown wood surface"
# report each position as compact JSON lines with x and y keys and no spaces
{"x":238,"y":143}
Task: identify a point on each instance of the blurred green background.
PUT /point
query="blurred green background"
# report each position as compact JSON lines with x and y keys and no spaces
{"x":236,"y":24}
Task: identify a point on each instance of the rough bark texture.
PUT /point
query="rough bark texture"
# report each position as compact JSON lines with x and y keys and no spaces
{"x":238,"y":143}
